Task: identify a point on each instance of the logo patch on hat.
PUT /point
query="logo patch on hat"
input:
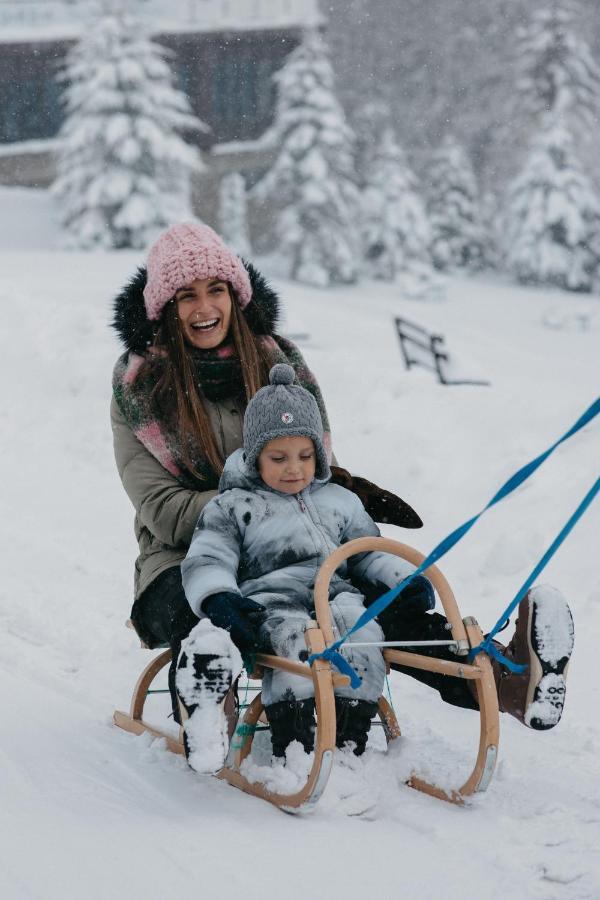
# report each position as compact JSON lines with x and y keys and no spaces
{"x":287,"y":418}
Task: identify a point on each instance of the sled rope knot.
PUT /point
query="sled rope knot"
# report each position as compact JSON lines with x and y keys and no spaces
{"x":332,"y":654}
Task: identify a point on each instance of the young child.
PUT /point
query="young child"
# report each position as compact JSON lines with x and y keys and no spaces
{"x":251,"y":569}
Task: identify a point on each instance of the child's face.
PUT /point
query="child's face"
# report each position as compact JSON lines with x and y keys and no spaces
{"x":287,"y":464}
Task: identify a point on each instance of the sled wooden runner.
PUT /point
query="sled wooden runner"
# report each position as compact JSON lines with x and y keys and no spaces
{"x":465,"y":633}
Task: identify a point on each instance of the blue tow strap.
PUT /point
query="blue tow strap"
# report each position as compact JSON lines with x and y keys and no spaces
{"x":486,"y":645}
{"x":332,"y":653}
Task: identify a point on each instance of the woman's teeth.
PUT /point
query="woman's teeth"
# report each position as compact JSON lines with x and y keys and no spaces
{"x":205,"y":326}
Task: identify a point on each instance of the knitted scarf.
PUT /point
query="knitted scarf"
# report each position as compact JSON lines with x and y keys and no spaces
{"x":219,"y":377}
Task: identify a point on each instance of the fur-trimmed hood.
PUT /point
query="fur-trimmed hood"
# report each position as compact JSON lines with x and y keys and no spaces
{"x":137,"y":332}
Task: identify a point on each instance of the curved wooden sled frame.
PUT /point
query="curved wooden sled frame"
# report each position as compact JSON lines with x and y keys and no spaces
{"x":466,"y":633}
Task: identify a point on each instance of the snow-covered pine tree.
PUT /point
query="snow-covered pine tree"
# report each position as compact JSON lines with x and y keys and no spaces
{"x":311,"y":188}
{"x":368,"y":122}
{"x":123,"y":166}
{"x":557,"y":72}
{"x":395,"y":230}
{"x":457,"y":237}
{"x":553,"y":216}
{"x":552,"y":209}
{"x":232,"y":213}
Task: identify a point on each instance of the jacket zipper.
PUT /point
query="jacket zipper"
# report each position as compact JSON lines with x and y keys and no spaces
{"x":301,"y":503}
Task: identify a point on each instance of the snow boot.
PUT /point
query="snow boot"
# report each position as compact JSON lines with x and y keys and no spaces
{"x":208,"y":663}
{"x":292,"y":720}
{"x":543,"y":641}
{"x":353,"y":722}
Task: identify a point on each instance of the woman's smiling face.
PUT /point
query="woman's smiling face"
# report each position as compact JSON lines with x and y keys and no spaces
{"x":204,"y":311}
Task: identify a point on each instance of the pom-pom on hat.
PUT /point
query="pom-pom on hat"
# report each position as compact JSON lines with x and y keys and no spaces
{"x":185,"y":252}
{"x":283,"y":409}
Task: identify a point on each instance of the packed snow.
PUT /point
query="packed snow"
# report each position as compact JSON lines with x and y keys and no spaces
{"x":90,"y":811}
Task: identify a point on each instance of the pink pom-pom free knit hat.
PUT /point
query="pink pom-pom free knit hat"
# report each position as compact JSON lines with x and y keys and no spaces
{"x":186,"y":252}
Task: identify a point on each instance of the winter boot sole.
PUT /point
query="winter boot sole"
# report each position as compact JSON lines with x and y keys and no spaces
{"x":550,"y":636}
{"x":203,"y":683}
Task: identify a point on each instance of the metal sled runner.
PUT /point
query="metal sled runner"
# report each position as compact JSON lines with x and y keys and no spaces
{"x":466,"y":635}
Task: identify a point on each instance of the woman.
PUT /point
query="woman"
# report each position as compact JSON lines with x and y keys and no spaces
{"x":199,"y":330}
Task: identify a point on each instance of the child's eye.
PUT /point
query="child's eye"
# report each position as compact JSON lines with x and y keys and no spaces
{"x":308,"y":456}
{"x":217,"y":289}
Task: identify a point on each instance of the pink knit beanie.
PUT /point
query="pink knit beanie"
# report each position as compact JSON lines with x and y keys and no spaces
{"x":186,"y":252}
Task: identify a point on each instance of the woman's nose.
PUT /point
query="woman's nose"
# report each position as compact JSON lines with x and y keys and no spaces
{"x":200,"y":302}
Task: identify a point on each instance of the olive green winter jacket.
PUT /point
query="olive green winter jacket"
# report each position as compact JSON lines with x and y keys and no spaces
{"x":165,"y":512}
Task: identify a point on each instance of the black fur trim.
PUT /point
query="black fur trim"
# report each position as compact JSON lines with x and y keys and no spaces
{"x":137,"y":331}
{"x":131,"y":321}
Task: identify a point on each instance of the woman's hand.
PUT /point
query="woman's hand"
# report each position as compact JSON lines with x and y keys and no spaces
{"x":240,"y":616}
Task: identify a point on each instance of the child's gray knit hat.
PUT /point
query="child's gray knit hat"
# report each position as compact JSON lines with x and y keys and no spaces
{"x":283,"y":409}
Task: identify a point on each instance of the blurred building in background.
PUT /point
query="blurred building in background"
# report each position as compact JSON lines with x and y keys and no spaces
{"x":225,"y":53}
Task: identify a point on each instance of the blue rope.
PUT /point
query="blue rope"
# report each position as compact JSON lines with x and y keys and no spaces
{"x":486,"y":645}
{"x":331,"y":653}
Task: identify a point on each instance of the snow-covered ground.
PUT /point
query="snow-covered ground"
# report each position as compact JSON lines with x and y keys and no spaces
{"x":89,"y":811}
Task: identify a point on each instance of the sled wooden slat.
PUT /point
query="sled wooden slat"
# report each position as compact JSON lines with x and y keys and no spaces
{"x":296,"y":668}
{"x":137,"y":726}
{"x":431,"y":664}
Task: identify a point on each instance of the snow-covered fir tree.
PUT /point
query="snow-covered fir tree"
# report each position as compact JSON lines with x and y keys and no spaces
{"x":310,"y":188}
{"x":368,"y":122}
{"x":557,"y":72}
{"x":123,"y":166}
{"x":552,"y":207}
{"x":232,"y":213}
{"x":553,"y":218}
{"x":457,"y":236}
{"x":395,"y":229}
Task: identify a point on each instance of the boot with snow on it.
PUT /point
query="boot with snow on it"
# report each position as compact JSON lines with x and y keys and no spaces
{"x":208,"y":663}
{"x":353,"y":718}
{"x":291,"y":720}
{"x":543,"y":641}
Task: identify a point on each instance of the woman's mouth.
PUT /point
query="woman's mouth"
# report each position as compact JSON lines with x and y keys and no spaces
{"x":205,"y":325}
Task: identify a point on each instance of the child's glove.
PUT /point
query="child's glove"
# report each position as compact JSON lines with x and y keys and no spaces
{"x":417,"y":597}
{"x":238,"y":615}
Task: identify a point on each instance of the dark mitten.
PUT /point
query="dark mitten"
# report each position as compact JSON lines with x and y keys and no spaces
{"x":238,"y":615}
{"x":382,"y":505}
{"x":417,"y":597}
{"x":411,"y":605}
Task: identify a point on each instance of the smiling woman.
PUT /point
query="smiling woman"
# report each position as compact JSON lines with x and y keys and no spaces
{"x":199,"y":327}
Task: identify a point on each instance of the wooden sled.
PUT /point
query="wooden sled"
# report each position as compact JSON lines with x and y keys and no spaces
{"x":465,"y":634}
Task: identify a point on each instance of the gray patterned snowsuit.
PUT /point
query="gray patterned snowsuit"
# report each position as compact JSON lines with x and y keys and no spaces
{"x":269,"y":546}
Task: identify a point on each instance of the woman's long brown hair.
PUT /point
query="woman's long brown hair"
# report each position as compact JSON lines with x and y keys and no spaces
{"x":176,"y":389}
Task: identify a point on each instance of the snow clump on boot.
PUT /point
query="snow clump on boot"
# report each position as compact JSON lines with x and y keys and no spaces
{"x":208,"y":664}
